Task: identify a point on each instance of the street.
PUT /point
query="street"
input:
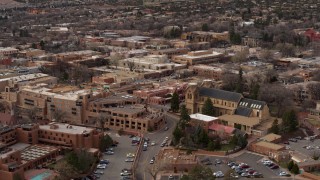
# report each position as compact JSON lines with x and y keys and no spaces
{"x":146,"y":156}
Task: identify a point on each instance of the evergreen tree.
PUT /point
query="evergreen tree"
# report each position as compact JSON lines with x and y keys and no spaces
{"x":208,"y":108}
{"x":184,"y":117}
{"x":295,"y":169}
{"x":175,"y":102}
{"x":289,"y":121}
{"x":205,"y":27}
{"x":239,"y":87}
{"x":290,"y":165}
{"x":275,"y":127}
{"x":211,"y":146}
{"x":255,"y":91}
{"x":177,"y":135}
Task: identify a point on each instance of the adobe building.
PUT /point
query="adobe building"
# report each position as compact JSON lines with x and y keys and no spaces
{"x":20,"y":149}
{"x":202,"y":120}
{"x":207,"y":71}
{"x":170,"y":52}
{"x":266,"y":148}
{"x":176,"y":160}
{"x":198,"y":57}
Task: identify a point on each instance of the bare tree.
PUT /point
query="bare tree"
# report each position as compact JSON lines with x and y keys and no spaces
{"x":266,"y":55}
{"x":154,"y":169}
{"x":314,"y":90}
{"x":102,"y":119}
{"x":131,"y":65}
{"x":32,"y":115}
{"x":240,"y":56}
{"x":58,"y":115}
{"x":287,"y":50}
{"x":277,"y":95}
{"x":114,"y":59}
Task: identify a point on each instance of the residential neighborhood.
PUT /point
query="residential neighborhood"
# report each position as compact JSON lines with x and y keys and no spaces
{"x":159,"y":89}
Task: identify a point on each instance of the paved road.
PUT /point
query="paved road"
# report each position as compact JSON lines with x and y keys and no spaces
{"x":158,"y":137}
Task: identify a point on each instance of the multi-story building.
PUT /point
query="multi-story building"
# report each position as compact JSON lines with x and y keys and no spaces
{"x":48,"y":102}
{"x":161,"y":94}
{"x":20,"y":149}
{"x":208,"y":71}
{"x":8,"y":51}
{"x":7,"y":84}
{"x":230,"y":107}
{"x":201,"y":36}
{"x":170,"y":52}
{"x":198,"y":57}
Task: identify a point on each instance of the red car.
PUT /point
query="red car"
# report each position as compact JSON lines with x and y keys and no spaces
{"x":244,"y":166}
{"x":251,"y":172}
{"x":274,"y":167}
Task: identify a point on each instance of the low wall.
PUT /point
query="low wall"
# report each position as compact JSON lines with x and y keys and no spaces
{"x":310,"y":176}
{"x":210,"y":153}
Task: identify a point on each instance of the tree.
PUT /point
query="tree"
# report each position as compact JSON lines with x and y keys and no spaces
{"x":32,"y":115}
{"x":177,"y":135}
{"x":207,"y":108}
{"x":81,"y":160}
{"x":175,"y":102}
{"x":105,"y":142}
{"x":58,"y":115}
{"x":295,"y":169}
{"x":240,"y":57}
{"x":287,"y":50}
{"x":66,"y":171}
{"x":184,"y":117}
{"x":314,"y":90}
{"x":42,"y":44}
{"x":275,"y":127}
{"x":276,"y":95}
{"x":205,"y":27}
{"x":131,"y":65}
{"x":290,"y":165}
{"x":200,"y":173}
{"x":239,"y":87}
{"x":289,"y":121}
{"x":114,"y":59}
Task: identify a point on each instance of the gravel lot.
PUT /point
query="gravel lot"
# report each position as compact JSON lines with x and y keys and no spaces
{"x":117,"y":161}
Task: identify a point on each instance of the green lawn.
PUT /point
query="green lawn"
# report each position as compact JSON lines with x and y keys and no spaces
{"x":227,"y":147}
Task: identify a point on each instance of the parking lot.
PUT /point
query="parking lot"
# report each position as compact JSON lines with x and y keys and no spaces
{"x":253,"y":160}
{"x":117,"y":161}
{"x":300,"y":146}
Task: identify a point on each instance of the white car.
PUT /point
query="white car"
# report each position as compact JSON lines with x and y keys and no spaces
{"x":129,"y":160}
{"x":125,"y":174}
{"x":218,"y":174}
{"x":153,"y":143}
{"x":101,"y":166}
{"x":282,"y":173}
{"x":151,"y":161}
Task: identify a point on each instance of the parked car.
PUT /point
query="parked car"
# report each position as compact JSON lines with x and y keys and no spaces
{"x":245,"y":175}
{"x":131,"y":136}
{"x":166,"y":128}
{"x":104,"y":161}
{"x":130,"y":155}
{"x":110,"y":149}
{"x":101,"y":166}
{"x":298,"y":137}
{"x":129,"y":160}
{"x":125,"y":174}
{"x":282,"y":173}
{"x":207,"y":163}
{"x":170,"y":177}
{"x":234,"y":175}
{"x":218,"y":174}
{"x":151,"y":161}
{"x":286,"y":142}
{"x":218,"y":161}
{"x":109,"y":153}
{"x":293,"y":140}
{"x":98,"y":172}
{"x":153,"y":143}
{"x":274,"y":167}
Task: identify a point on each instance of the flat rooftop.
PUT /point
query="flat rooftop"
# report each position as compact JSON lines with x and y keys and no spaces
{"x":270,"y":137}
{"x":203,"y":117}
{"x":36,"y":151}
{"x":26,"y":77}
{"x":65,"y":128}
